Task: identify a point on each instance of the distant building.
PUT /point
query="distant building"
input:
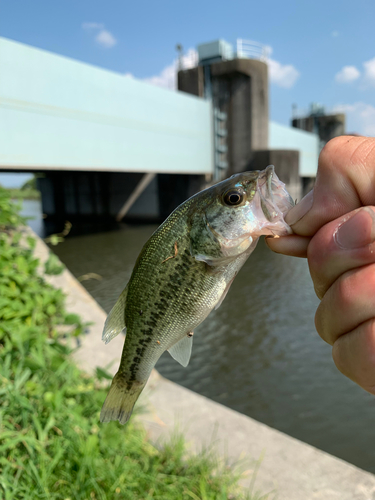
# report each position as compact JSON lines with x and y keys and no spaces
{"x":236,"y":83}
{"x":325,"y":126}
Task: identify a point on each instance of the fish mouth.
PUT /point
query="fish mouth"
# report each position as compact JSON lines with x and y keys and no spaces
{"x":275,"y":200}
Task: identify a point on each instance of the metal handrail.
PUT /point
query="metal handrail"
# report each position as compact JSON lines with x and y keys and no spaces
{"x":248,"y":49}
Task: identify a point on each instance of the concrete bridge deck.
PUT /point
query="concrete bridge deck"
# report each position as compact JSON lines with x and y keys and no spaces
{"x":60,"y":114}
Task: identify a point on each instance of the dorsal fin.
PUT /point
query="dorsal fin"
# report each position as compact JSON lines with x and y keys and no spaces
{"x":115,"y":322}
{"x":181,"y":351}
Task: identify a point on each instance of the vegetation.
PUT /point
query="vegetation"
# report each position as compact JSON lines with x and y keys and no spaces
{"x":51,"y":443}
{"x":31,"y":183}
{"x":24,"y":194}
{"x":28,"y":190}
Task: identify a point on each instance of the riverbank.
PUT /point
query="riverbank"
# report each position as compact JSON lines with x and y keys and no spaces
{"x":291,"y":469}
{"x":24,"y":194}
{"x":51,"y":443}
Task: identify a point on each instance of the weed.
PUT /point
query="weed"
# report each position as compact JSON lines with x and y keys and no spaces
{"x":51,"y":443}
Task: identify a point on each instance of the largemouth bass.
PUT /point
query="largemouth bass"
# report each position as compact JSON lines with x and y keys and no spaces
{"x":184,"y":271}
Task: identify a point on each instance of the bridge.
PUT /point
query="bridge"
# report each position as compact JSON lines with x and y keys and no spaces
{"x":100,"y":138}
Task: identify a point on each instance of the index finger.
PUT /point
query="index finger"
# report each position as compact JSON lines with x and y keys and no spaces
{"x":345,"y":181}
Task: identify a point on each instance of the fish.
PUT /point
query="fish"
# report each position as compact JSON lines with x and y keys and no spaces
{"x":184,"y":271}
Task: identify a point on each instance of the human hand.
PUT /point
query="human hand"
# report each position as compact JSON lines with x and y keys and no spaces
{"x":334,"y":228}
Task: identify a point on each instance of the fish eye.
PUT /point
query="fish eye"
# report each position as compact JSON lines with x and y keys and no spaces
{"x":233,"y":197}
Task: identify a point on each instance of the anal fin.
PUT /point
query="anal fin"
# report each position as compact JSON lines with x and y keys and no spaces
{"x":115,"y":322}
{"x":181,"y":350}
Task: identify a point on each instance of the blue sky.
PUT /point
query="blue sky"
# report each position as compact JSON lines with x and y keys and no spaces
{"x":321,"y":51}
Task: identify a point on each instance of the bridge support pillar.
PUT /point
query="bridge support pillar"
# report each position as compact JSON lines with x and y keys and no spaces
{"x":102,"y":198}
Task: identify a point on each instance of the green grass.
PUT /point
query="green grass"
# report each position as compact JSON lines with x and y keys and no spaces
{"x":51,"y":443}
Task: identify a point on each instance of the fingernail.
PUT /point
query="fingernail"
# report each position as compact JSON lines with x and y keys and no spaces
{"x":358,"y":231}
{"x":300,"y":210}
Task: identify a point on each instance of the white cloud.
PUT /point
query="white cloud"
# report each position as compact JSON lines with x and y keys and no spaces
{"x":347,"y":75}
{"x":189,"y":60}
{"x":283,"y":75}
{"x":105,"y":39}
{"x":334,"y":34}
{"x":167,"y":78}
{"x":360,"y":117}
{"x":91,"y":26}
{"x":102,"y":36}
{"x":369,"y":76}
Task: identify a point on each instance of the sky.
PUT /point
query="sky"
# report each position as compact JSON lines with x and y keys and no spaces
{"x":321,"y":52}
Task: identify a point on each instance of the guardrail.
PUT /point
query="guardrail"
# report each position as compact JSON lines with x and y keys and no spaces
{"x":248,"y":49}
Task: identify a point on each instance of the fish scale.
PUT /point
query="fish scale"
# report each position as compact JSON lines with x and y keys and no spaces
{"x":184,"y":271}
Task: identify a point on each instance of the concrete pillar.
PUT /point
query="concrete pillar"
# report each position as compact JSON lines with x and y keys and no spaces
{"x":286,"y":164}
{"x":174,"y":189}
{"x":239,"y":89}
{"x":191,"y":81}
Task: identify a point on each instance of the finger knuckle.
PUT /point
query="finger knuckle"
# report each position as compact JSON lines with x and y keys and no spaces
{"x":369,"y":334}
{"x":363,"y":283}
{"x":318,"y":257}
{"x":362,"y":151}
{"x":345,"y":290}
{"x":337,"y":356}
{"x":328,"y":152}
{"x":367,"y":276}
{"x":321,"y":323}
{"x":357,"y":345}
{"x":348,"y":148}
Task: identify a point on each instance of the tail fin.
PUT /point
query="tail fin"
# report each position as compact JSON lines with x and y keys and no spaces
{"x":120,"y":401}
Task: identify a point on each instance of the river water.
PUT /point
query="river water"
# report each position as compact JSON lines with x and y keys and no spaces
{"x":258,"y":353}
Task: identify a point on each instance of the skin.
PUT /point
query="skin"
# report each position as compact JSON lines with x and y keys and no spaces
{"x":341,"y":253}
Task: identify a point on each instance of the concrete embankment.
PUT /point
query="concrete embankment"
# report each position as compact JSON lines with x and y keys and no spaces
{"x":292,"y":470}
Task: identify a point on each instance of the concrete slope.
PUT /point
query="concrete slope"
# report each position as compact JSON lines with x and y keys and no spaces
{"x":290,"y":468}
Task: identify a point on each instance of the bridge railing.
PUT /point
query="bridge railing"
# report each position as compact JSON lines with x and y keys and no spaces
{"x":249,"y":49}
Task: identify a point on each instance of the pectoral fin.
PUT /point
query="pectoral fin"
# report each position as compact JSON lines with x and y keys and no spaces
{"x":212,"y":261}
{"x":115,"y":322}
{"x":181,"y":351}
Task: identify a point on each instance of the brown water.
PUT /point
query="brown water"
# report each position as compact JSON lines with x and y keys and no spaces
{"x":258,"y":353}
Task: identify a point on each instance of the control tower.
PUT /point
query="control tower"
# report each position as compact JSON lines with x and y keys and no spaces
{"x":325,"y":125}
{"x":236,"y":82}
